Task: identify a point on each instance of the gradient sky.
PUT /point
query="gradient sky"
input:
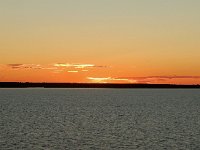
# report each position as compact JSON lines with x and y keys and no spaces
{"x":133,"y":41}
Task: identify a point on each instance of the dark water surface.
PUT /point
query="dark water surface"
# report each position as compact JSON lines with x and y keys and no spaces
{"x":100,"y":119}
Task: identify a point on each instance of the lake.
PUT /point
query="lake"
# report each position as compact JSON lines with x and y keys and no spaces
{"x":99,"y":119}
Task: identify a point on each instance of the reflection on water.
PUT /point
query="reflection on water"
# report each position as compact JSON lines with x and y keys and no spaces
{"x":99,"y":119}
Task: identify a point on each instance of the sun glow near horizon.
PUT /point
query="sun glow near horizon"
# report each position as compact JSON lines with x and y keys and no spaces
{"x":84,"y":73}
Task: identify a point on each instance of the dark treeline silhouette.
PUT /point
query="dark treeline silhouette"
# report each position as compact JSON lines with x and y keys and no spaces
{"x":89,"y":85}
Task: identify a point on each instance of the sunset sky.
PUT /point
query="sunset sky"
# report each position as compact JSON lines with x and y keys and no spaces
{"x":103,"y":41}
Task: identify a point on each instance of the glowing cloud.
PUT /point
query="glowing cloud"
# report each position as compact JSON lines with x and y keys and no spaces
{"x":73,"y":65}
{"x":147,"y":79}
{"x":77,"y":65}
{"x":83,"y":65}
{"x":99,"y":79}
{"x":55,"y":68}
{"x":162,"y":77}
{"x":151,"y":79}
{"x":110,"y":79}
{"x":72,"y":71}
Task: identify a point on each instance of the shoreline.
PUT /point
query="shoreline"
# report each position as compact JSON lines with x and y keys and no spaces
{"x":90,"y":85}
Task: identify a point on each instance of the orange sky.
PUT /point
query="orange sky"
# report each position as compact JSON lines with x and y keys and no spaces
{"x":100,"y":41}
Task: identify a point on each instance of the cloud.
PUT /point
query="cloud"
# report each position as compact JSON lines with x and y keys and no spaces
{"x":33,"y":66}
{"x":73,"y":65}
{"x":142,"y":79}
{"x":99,"y":79}
{"x":77,"y":65}
{"x":72,"y":71}
{"x":15,"y":66}
{"x":58,"y":67}
{"x":152,"y":79}
{"x":109,"y":79}
{"x":24,"y":66}
{"x":81,"y":66}
{"x":161,"y":77}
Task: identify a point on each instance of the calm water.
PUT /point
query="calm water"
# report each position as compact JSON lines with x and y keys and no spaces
{"x":99,"y":119}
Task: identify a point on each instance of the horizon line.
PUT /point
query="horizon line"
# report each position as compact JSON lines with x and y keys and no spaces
{"x":91,"y":85}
